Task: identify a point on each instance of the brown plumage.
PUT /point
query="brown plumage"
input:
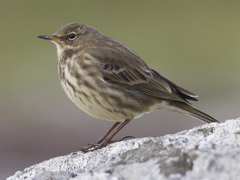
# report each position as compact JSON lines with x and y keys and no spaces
{"x":108,"y":80}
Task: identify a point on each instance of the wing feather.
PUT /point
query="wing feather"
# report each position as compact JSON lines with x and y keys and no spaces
{"x":120,"y":67}
{"x":132,"y":72}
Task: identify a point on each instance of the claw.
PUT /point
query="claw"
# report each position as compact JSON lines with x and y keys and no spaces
{"x":126,"y":137}
{"x":93,"y":147}
{"x":97,"y":145}
{"x":87,"y":148}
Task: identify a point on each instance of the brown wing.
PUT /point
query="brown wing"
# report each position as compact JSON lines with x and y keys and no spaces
{"x":132,"y":72}
{"x":120,"y":67}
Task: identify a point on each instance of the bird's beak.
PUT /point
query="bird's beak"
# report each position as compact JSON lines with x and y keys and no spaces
{"x":49,"y":37}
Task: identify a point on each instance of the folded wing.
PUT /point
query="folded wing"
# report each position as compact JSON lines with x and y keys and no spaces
{"x":131,"y":72}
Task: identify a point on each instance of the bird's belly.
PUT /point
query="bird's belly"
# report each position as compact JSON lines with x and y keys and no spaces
{"x":94,"y":104}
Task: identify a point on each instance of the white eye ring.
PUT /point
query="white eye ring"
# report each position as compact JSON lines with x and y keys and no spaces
{"x":72,"y":36}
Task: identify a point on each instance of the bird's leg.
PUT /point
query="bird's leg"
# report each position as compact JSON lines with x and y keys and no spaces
{"x":90,"y":146}
{"x":104,"y":140}
{"x":107,"y":133}
{"x":108,"y":139}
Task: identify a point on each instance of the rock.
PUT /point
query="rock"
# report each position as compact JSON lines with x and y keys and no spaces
{"x":210,"y":151}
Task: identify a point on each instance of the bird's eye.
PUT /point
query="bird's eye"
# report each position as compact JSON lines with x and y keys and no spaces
{"x":72,"y":36}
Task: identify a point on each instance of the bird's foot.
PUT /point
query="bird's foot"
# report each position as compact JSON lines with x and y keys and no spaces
{"x":99,"y":145}
{"x":124,"y":138}
{"x":95,"y":146}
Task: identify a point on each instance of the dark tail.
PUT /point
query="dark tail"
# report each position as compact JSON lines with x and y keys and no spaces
{"x":201,"y":115}
{"x":189,"y":110}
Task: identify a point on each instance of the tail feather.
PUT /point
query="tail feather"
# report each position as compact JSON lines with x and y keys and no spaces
{"x":202,"y":116}
{"x":189,"y":110}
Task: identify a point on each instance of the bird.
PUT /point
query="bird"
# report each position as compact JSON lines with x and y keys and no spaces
{"x":108,"y":80}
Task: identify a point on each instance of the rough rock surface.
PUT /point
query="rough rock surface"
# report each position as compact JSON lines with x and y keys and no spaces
{"x":210,"y":151}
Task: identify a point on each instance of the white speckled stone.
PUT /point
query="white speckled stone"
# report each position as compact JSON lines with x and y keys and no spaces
{"x":210,"y":151}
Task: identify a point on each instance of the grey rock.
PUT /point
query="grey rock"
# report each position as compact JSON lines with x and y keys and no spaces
{"x":210,"y":151}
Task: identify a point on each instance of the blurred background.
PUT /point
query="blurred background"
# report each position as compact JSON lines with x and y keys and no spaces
{"x":195,"y":44}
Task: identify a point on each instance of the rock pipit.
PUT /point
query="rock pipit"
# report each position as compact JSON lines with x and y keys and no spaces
{"x":108,"y":80}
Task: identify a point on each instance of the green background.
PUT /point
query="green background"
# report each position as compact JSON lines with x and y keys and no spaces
{"x":195,"y":44}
